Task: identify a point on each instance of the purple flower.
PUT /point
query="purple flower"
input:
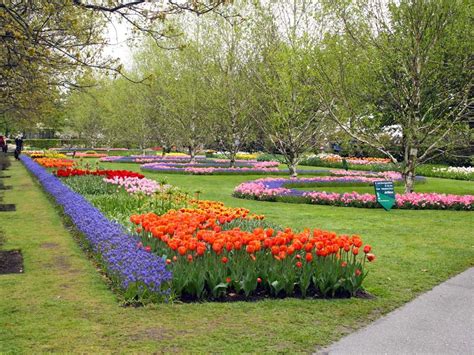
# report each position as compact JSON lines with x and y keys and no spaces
{"x":123,"y":260}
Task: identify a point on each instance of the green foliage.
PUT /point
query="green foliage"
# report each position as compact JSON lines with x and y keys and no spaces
{"x":250,"y":225}
{"x":52,"y":143}
{"x":90,"y":185}
{"x":271,"y":157}
{"x":315,"y":161}
{"x":119,"y":206}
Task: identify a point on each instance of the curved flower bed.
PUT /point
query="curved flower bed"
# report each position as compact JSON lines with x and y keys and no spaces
{"x":184,"y":161}
{"x":273,"y":189}
{"x":149,"y":158}
{"x":136,"y":272}
{"x":205,"y":170}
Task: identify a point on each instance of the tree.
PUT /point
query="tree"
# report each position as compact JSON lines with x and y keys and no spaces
{"x":86,"y":110}
{"x":46,"y":44}
{"x":228,"y":48}
{"x":405,"y":64}
{"x":292,"y":117}
{"x":182,"y":96}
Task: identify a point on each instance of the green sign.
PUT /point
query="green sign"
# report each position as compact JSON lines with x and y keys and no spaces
{"x":385,"y":194}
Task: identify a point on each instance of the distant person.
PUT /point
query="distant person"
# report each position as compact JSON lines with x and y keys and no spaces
{"x":18,"y":146}
{"x":3,"y":144}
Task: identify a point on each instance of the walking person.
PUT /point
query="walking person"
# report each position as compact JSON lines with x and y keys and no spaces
{"x":3,"y":144}
{"x":19,"y":146}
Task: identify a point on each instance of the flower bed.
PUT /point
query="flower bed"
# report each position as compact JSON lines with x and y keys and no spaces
{"x":172,"y":162}
{"x":135,"y":185}
{"x":213,"y":166}
{"x":277,"y":189}
{"x":141,"y":159}
{"x":138,"y":274}
{"x":35,"y":154}
{"x":335,"y":161}
{"x":447,"y":172}
{"x":54,"y":162}
{"x":210,"y":261}
{"x":213,"y":251}
{"x":335,"y":158}
{"x":110,"y":174}
{"x":169,"y":168}
{"x":90,"y":155}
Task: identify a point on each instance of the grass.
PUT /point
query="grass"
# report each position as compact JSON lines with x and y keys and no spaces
{"x":62,"y":303}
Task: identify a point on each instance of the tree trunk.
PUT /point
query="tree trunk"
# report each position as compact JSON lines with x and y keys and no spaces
{"x":409,"y":178}
{"x":291,"y":159}
{"x":192,"y":153}
{"x":233,"y":154}
{"x":232,"y":160}
{"x":292,"y":169}
{"x":409,"y":170}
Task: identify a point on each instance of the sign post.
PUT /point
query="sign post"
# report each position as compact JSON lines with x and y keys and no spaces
{"x":385,"y":194}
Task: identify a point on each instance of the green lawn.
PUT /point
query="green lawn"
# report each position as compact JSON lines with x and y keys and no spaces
{"x":62,"y":303}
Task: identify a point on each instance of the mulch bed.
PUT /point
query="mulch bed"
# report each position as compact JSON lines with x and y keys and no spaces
{"x":11,"y":262}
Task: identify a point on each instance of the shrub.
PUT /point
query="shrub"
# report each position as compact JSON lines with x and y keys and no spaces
{"x":53,"y":143}
{"x":271,"y":157}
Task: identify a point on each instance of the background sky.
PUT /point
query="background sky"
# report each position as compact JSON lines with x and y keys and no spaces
{"x":117,"y":33}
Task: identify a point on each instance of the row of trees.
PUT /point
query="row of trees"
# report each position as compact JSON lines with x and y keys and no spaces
{"x":292,"y":73}
{"x":238,"y":77}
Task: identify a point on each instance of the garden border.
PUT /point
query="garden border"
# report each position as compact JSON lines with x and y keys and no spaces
{"x":136,"y":272}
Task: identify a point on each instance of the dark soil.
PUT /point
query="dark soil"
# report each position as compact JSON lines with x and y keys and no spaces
{"x":238,"y":297}
{"x":7,"y":207}
{"x":11,"y":262}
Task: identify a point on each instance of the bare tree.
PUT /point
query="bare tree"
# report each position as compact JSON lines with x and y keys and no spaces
{"x":291,"y":112}
{"x":406,"y":64}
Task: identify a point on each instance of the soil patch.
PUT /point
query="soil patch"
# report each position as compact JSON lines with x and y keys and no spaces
{"x":11,"y":262}
{"x":49,"y":245}
{"x":7,"y":207}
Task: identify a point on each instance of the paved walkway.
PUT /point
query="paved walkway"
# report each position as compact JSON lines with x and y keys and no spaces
{"x":440,"y":321}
